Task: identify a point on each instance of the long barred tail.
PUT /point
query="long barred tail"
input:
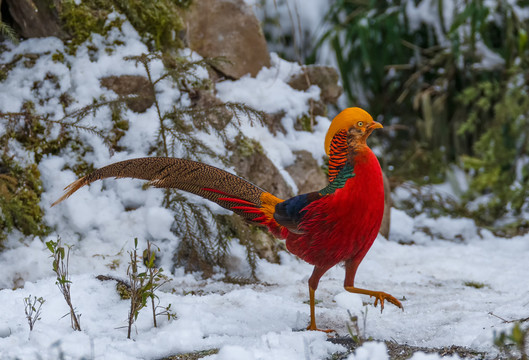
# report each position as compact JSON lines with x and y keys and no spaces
{"x":229,"y":191}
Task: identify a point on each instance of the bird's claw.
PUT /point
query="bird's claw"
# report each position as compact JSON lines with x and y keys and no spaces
{"x":314,"y":328}
{"x":381,"y":296}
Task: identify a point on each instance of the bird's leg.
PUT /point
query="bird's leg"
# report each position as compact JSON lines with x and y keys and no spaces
{"x":313,"y":285}
{"x":350,"y":272}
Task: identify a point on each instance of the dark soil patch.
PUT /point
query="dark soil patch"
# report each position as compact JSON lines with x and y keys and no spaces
{"x":403,"y":352}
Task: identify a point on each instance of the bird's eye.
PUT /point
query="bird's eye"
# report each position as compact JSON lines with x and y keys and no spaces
{"x":360,"y":123}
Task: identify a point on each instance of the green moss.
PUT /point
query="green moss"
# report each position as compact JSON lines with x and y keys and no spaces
{"x":34,"y":135}
{"x":119,"y":128}
{"x":156,"y":21}
{"x":20,"y":190}
{"x":58,"y":57}
{"x":304,"y":123}
{"x":247,"y":147}
{"x":80,"y":21}
{"x":474,"y":284}
{"x":5,"y":68}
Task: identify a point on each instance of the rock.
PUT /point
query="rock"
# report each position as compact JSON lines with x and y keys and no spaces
{"x":386,"y":220}
{"x":306,"y":172}
{"x":126,"y":85}
{"x":318,"y":108}
{"x":273,"y":122}
{"x":325,"y":77}
{"x":251,"y":163}
{"x":229,"y":29}
{"x":35,"y":18}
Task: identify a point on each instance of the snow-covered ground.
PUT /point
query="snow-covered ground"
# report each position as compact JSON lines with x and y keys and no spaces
{"x":433,"y":277}
{"x":266,"y":320}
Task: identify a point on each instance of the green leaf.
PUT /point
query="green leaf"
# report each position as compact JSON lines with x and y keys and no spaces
{"x":522,"y":41}
{"x":517,"y":334}
{"x":51,"y":246}
{"x":60,"y":252}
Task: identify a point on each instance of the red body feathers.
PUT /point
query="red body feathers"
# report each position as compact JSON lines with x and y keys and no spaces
{"x":343,"y":225}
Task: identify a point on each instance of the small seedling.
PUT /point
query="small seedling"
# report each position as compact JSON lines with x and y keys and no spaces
{"x":354,"y":329}
{"x":61,"y":262}
{"x":32,"y":308}
{"x":156,"y":278}
{"x":166,"y":311}
{"x":143,"y":285}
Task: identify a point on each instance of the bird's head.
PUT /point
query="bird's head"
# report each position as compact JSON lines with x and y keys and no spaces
{"x":358,"y":124}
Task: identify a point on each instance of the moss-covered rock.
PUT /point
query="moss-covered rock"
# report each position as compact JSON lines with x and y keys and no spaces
{"x":158,"y":22}
{"x":20,"y":190}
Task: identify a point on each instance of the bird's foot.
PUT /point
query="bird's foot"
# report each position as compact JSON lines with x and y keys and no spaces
{"x":378,"y":295}
{"x":313,"y":327}
{"x":382,"y":296}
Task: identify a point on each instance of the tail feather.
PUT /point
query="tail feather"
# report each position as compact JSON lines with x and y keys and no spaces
{"x":227,"y":190}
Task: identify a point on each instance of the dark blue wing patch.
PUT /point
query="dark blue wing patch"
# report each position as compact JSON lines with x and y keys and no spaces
{"x":289,"y":213}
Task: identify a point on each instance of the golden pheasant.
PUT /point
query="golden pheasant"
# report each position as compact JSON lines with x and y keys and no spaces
{"x":335,"y":224}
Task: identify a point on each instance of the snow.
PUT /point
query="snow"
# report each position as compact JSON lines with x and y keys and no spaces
{"x":265,"y":320}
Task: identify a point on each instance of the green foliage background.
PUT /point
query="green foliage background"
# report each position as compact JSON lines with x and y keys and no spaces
{"x":445,"y":103}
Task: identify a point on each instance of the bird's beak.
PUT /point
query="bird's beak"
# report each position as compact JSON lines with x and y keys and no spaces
{"x":375,"y":125}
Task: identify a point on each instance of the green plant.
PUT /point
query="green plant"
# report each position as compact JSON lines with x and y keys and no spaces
{"x":354,"y":330}
{"x":61,"y":263}
{"x":32,"y":308}
{"x":514,"y":344}
{"x":498,"y":162}
{"x":156,"y":279}
{"x":8,"y":32}
{"x":453,"y":90}
{"x":144,"y":284}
